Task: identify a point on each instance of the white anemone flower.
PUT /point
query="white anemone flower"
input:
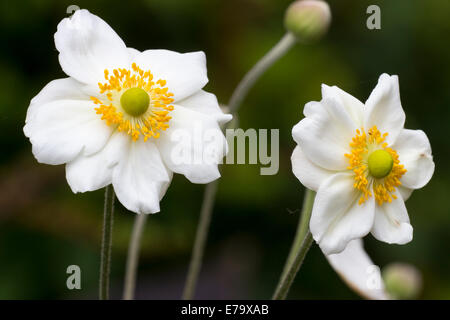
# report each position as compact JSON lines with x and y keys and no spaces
{"x":362,"y":163}
{"x":114,"y":119}
{"x":357,"y":270}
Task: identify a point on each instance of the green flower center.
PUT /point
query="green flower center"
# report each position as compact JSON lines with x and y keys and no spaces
{"x":135,"y":101}
{"x":380,"y":163}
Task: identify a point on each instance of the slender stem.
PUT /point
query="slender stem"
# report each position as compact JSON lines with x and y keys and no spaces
{"x":302,"y":229}
{"x":300,"y":248}
{"x":286,"y":282}
{"x":105,"y":259}
{"x":239,"y":94}
{"x":200,"y":240}
{"x":283,"y":46}
{"x":133,"y":257}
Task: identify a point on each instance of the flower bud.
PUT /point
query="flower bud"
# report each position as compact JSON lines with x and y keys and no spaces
{"x":402,"y":281}
{"x":308,"y":20}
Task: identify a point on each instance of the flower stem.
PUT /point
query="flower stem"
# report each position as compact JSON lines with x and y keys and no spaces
{"x":302,"y":228}
{"x":200,"y":240}
{"x":105,"y":258}
{"x":133,"y":257}
{"x":279,"y":50}
{"x":302,"y":243}
{"x":239,"y":94}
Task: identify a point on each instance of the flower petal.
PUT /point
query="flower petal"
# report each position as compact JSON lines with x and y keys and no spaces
{"x":61,"y":123}
{"x":59,"y":89}
{"x":405,"y":192}
{"x":185,"y":73}
{"x":140,"y":179}
{"x":206,"y":103}
{"x":358,"y":271}
{"x":89,"y":173}
{"x":310,"y":175}
{"x":325,"y":134}
{"x":384,"y":109}
{"x":133,"y":53}
{"x":353,"y":106}
{"x":337,"y":218}
{"x":391,"y":224}
{"x":193,"y":145}
{"x":87,"y":46}
{"x":414,"y":153}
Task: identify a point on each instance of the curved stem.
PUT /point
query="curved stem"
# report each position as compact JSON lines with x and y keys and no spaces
{"x":105,"y":255}
{"x":133,"y":257}
{"x":258,"y":69}
{"x":200,"y":240}
{"x":300,"y":247}
{"x":283,"y":46}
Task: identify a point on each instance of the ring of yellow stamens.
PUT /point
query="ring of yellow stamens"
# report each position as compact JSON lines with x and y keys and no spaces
{"x":134,"y":103}
{"x":376,"y":166}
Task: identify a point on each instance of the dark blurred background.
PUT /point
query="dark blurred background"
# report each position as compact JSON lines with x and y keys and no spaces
{"x":44,"y":227}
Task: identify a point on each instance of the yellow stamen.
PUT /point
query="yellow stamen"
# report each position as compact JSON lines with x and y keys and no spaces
{"x":152,"y":120}
{"x":362,"y":146}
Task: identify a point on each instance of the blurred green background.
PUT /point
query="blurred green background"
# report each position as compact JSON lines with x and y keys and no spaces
{"x":44,"y":227}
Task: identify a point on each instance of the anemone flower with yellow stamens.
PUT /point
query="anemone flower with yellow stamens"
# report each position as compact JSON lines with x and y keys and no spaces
{"x":116,"y":118}
{"x":362,"y":163}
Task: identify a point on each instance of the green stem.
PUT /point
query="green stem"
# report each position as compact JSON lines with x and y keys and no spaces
{"x":239,"y":94}
{"x":302,"y":228}
{"x":133,"y":257}
{"x":279,"y":50}
{"x":300,"y":247}
{"x":200,"y":240}
{"x":105,"y":258}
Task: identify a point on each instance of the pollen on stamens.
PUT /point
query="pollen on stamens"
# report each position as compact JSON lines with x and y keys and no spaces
{"x":149,"y":124}
{"x":382,"y":189}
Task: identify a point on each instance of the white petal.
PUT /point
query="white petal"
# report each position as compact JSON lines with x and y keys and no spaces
{"x":337,"y":218}
{"x":59,"y":89}
{"x":140,"y":179}
{"x":414,"y":153}
{"x":205,"y":102}
{"x":314,"y":109}
{"x":384,"y":109}
{"x":56,"y":90}
{"x":405,"y":192}
{"x":325,"y":135}
{"x":193,"y":145}
{"x":61,"y":123}
{"x":310,"y":175}
{"x":353,"y":106}
{"x":391,"y":223}
{"x":133,"y":53}
{"x":185,"y":73}
{"x":356,"y":269}
{"x":87,"y":46}
{"x":88,"y":173}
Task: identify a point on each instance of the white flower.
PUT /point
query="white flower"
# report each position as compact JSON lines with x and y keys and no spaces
{"x":362,"y":163}
{"x":112,"y":120}
{"x":358,"y":271}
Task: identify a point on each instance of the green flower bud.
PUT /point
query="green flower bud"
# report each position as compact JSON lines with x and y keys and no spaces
{"x":308,"y":20}
{"x":402,"y":281}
